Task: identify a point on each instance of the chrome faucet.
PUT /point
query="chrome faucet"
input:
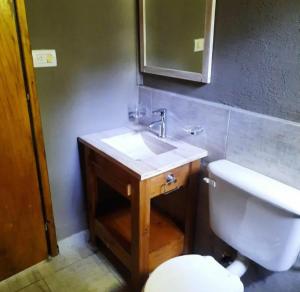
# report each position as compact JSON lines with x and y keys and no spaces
{"x":161,"y":123}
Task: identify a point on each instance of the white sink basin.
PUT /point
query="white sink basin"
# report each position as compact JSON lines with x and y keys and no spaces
{"x":142,"y":152}
{"x":138,"y":145}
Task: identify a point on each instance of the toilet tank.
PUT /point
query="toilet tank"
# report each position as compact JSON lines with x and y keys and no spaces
{"x":256,"y":215}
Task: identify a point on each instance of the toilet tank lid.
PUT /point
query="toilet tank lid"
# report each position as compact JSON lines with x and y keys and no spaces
{"x":258,"y":185}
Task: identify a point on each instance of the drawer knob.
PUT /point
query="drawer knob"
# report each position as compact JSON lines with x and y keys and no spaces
{"x":171,"y":179}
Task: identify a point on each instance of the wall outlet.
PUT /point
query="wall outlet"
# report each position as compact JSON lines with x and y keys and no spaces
{"x":44,"y":58}
{"x":198,"y":45}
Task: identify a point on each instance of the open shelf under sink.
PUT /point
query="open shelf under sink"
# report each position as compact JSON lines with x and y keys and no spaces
{"x":166,"y":239}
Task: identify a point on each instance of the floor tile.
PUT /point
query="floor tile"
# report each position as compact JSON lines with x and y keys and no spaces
{"x":78,"y":267}
{"x":39,"y":286}
{"x":22,"y":280}
{"x":4,"y":286}
{"x":89,"y":274}
{"x":72,"y":249}
{"x":55,"y":264}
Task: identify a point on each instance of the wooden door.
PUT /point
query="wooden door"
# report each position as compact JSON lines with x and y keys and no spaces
{"x":22,"y":230}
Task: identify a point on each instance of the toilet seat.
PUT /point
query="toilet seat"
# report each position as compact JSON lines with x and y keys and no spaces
{"x":192,"y":273}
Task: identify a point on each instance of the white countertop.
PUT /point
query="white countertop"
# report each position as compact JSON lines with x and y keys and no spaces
{"x":149,"y":167}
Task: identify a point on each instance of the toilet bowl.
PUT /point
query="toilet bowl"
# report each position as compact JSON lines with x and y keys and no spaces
{"x":193,"y":273}
{"x":246,"y":210}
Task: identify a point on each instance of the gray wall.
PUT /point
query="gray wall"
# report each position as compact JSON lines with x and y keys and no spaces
{"x":256,"y":67}
{"x":256,"y":59}
{"x":88,"y":91}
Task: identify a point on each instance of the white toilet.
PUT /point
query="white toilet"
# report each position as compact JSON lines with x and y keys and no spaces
{"x":256,"y":215}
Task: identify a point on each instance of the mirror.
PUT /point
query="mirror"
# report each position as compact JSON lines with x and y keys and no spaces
{"x":177,"y":38}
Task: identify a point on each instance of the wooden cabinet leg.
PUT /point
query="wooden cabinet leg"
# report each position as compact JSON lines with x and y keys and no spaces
{"x":192,"y":192}
{"x":140,"y":214}
{"x":91,"y":191}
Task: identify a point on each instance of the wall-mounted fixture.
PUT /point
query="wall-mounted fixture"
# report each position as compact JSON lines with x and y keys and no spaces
{"x":44,"y":58}
{"x":176,"y":38}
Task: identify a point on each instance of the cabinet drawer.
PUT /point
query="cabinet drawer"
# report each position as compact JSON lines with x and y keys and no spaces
{"x":169,"y":181}
{"x":112,"y":174}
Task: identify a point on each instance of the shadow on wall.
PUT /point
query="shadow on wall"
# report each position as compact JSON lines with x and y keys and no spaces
{"x":87,"y":92}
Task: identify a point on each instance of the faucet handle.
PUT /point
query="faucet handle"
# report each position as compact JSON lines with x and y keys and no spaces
{"x":160,"y":111}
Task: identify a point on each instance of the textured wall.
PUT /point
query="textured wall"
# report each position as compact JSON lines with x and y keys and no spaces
{"x":88,"y":91}
{"x":256,"y":60}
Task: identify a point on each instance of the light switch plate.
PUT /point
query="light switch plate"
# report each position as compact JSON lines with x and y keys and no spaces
{"x":44,"y":58}
{"x":198,"y":45}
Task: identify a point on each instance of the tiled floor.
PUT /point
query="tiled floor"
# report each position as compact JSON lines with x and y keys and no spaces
{"x":78,"y":268}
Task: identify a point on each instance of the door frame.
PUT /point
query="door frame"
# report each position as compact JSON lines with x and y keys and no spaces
{"x":37,"y":132}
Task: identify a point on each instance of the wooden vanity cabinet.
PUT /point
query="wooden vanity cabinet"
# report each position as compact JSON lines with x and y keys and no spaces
{"x":141,"y":237}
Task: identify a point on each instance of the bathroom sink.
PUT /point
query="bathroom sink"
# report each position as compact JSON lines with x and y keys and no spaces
{"x":138,"y":145}
{"x":143,"y":153}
